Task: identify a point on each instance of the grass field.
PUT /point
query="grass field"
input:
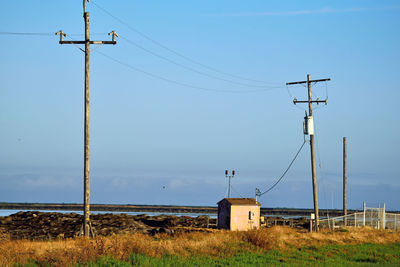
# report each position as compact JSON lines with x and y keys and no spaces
{"x":333,"y":255}
{"x":272,"y":246}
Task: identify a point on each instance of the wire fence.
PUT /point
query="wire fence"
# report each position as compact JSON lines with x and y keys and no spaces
{"x":376,"y":218}
{"x":392,"y":221}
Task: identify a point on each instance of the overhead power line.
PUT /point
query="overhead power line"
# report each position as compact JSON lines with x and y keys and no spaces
{"x":181,"y":83}
{"x":191,"y":69}
{"x":177,"y":53}
{"x":262,"y":88}
{"x":44,"y":33}
{"x":27,"y":33}
{"x":258,"y":193}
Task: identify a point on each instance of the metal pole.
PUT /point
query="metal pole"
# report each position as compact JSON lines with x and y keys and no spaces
{"x":229,"y":187}
{"x":344,"y":180}
{"x":314,"y":175}
{"x":86,"y":227}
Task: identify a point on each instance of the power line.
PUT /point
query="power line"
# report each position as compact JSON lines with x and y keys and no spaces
{"x":44,"y":33}
{"x":264,"y":87}
{"x":284,"y":173}
{"x":189,"y":68}
{"x":181,"y":83}
{"x":175,"y":52}
{"x":28,"y":33}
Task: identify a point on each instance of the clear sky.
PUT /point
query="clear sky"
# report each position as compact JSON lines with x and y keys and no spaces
{"x":154,"y":141}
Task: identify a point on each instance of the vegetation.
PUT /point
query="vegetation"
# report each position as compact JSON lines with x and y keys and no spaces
{"x":276,"y":246}
{"x":331,"y":255}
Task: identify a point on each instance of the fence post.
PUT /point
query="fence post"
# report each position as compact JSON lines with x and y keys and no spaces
{"x":370,"y":220}
{"x":364,"y":215}
{"x":329,"y":222}
{"x":355,"y":219}
{"x":395,"y":222}
{"x":384,"y":216}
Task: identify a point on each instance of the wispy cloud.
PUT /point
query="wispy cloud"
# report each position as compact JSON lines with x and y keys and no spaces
{"x":324,"y":10}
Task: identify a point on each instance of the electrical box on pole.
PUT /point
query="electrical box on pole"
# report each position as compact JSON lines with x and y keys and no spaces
{"x":308,"y":125}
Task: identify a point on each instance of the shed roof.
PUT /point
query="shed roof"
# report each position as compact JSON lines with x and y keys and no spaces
{"x":241,"y":201}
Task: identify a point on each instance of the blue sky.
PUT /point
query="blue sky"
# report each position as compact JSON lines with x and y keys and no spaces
{"x":148,"y":133}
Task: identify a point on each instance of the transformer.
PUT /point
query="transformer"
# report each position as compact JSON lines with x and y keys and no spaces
{"x":308,"y":125}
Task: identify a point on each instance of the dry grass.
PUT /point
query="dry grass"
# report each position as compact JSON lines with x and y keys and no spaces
{"x":282,"y":237}
{"x":216,"y":244}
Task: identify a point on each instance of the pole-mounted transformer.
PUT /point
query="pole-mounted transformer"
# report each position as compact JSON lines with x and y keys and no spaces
{"x":308,"y":125}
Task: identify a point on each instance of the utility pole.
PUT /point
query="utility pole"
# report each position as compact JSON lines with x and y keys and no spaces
{"x":87,"y":227}
{"x":309,"y":127}
{"x":345,"y":180}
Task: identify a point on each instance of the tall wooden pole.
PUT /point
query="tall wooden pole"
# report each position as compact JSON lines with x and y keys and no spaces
{"x":345,"y":180}
{"x":310,"y":113}
{"x":313,"y":169}
{"x":86,"y":181}
{"x":86,"y":190}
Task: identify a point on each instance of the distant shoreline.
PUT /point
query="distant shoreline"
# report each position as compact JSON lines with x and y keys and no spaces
{"x":159,"y":208}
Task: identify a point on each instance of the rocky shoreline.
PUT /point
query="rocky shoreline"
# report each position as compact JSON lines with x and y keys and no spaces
{"x":35,"y":225}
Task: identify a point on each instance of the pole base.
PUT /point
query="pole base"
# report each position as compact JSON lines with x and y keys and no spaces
{"x":92,"y":231}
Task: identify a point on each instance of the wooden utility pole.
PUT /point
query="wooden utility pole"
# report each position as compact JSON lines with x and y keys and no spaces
{"x":87,"y":228}
{"x":311,"y":133}
{"x":345,"y":180}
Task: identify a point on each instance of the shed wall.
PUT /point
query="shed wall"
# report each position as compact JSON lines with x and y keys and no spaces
{"x":224,"y":215}
{"x":240,"y":219}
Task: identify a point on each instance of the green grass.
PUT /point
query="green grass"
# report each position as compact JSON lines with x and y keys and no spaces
{"x":332,"y":255}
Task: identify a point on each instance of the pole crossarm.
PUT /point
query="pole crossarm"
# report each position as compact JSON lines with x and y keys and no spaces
{"x":311,"y":81}
{"x":90,"y":42}
{"x":63,"y":34}
{"x":295,"y":101}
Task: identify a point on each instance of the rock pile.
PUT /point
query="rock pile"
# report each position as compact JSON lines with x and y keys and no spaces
{"x":37,"y":225}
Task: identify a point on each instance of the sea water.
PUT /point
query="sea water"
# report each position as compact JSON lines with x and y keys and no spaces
{"x":211,"y":215}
